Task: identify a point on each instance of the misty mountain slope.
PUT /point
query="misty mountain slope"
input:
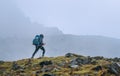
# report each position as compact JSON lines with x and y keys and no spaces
{"x":13,"y":22}
{"x":87,"y":45}
{"x":56,"y":45}
{"x":17,"y":33}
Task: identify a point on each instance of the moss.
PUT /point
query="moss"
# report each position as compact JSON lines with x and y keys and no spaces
{"x":34,"y":66}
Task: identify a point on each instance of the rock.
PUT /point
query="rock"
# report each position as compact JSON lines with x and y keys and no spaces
{"x":48,"y":75}
{"x":22,"y":70}
{"x":83,"y":60}
{"x":80,"y":61}
{"x":93,"y":61}
{"x":1,"y":62}
{"x":74,"y":66}
{"x":15,"y":66}
{"x":69,"y":55}
{"x":72,"y":55}
{"x":56,"y":69}
{"x":114,"y":68}
{"x":45,"y":63}
{"x":74,"y":63}
{"x":47,"y":68}
{"x":98,"y":57}
{"x":97,"y":68}
{"x":62,"y":64}
{"x":116,"y":59}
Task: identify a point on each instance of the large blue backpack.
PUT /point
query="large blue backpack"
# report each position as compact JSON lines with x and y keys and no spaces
{"x":36,"y":40}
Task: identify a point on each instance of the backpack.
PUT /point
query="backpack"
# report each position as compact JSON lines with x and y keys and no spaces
{"x":36,"y":40}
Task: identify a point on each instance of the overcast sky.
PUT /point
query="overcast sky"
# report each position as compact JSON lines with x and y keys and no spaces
{"x":79,"y":17}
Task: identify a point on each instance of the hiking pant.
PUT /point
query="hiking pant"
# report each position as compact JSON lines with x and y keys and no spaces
{"x":36,"y":50}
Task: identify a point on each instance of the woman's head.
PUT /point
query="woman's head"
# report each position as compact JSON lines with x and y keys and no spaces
{"x":42,"y":35}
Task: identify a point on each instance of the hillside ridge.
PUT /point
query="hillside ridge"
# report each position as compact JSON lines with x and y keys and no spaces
{"x":69,"y":65}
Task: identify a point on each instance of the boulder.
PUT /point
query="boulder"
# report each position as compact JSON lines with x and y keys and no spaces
{"x":72,"y":55}
{"x":114,"y":68}
{"x":84,"y":60}
{"x":45,"y":63}
{"x":81,"y":60}
{"x":97,"y":68}
{"x":69,"y":55}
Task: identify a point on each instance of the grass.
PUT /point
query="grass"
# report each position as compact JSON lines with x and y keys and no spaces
{"x":61,"y":63}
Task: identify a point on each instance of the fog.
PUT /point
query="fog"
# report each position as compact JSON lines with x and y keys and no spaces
{"x":17,"y":32}
{"x":82,"y":27}
{"x":14,"y":23}
{"x":78,"y":17}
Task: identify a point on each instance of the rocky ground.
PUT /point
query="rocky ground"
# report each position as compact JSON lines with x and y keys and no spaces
{"x":68,"y":65}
